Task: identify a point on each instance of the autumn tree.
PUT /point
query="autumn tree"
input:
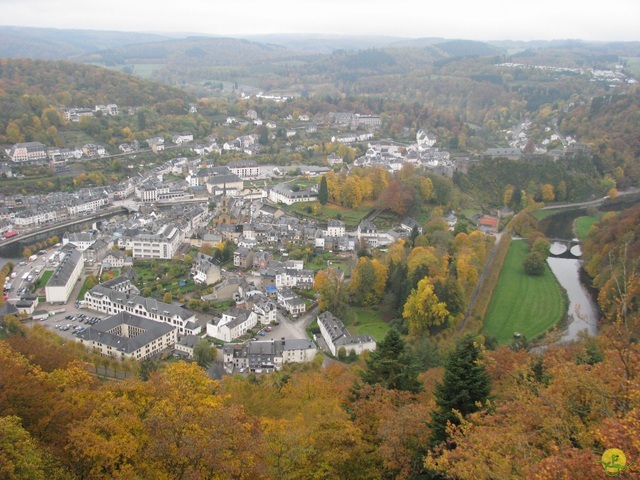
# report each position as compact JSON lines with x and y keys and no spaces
{"x":351,"y":193}
{"x":368,"y":281}
{"x":329,"y":285}
{"x":546,"y":191}
{"x":464,"y":388}
{"x":20,"y":455}
{"x":396,"y":198}
{"x":424,"y":310}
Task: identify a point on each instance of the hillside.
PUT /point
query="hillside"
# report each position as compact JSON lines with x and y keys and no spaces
{"x":32,"y":91}
{"x":58,"y":44}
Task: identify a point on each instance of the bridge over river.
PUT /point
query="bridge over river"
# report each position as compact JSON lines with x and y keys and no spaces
{"x":562,"y":248}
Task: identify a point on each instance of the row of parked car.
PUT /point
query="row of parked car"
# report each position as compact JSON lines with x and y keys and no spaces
{"x":81,"y":318}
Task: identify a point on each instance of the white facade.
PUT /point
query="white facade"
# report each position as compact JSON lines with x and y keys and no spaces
{"x":245,"y":169}
{"x":61,"y":283}
{"x":125,"y":336}
{"x":162,"y":245}
{"x":234,"y":323}
{"x":111,"y":302}
{"x":283,"y":193}
{"x":337,"y":336}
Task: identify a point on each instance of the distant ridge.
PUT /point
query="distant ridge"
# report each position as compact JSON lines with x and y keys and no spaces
{"x":63,"y":44}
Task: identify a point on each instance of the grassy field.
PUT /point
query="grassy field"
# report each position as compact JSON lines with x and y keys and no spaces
{"x":583,"y":225}
{"x":44,"y":278}
{"x":351,"y":218}
{"x":319,"y":262}
{"x":523,"y":303}
{"x":369,"y":321}
{"x":74,"y":137}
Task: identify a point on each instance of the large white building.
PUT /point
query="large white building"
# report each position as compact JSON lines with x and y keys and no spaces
{"x":80,"y":240}
{"x":284,"y":193}
{"x":124,"y":336}
{"x":60,"y":285}
{"x":106,"y":300}
{"x":163,"y":245}
{"x":337,"y":336}
{"x":151,"y":192}
{"x":23,"y":152}
{"x":245,"y":169}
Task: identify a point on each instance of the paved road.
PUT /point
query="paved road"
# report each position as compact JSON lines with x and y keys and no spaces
{"x":598,"y":201}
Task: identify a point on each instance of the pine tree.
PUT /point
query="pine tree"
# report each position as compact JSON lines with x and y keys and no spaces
{"x":323,"y":191}
{"x":392,"y":365}
{"x":465,"y":384}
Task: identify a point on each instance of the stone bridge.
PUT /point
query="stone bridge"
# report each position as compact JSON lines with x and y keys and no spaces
{"x":563,"y":248}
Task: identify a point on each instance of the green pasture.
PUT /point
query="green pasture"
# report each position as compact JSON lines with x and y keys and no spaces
{"x":523,"y":303}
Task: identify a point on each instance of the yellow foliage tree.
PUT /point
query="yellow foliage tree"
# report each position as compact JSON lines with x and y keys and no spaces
{"x":423,"y":310}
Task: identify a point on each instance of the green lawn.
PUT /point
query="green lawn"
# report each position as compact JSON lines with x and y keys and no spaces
{"x":583,"y":225}
{"x":44,"y":278}
{"x":523,"y":303}
{"x":319,"y":262}
{"x":351,"y":217}
{"x":369,"y":321}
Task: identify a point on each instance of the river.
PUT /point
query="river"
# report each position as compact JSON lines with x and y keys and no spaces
{"x":583,"y":314}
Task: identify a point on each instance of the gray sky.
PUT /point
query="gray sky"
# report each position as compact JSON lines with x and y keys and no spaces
{"x":469,"y":19}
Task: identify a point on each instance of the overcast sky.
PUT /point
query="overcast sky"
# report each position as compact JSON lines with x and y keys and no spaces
{"x":468,"y":19}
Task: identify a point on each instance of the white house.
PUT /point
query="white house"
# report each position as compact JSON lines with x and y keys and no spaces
{"x":181,"y":138}
{"x":337,"y":336}
{"x":267,"y":355}
{"x":205,"y":269}
{"x":265,"y":309}
{"x":234,"y":323}
{"x":291,"y":302}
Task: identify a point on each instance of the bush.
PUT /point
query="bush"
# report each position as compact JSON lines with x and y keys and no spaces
{"x":534,"y":264}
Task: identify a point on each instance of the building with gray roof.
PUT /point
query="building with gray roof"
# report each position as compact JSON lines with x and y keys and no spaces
{"x":64,"y":277}
{"x":337,"y":336}
{"x":111,"y":302}
{"x":125,"y":336}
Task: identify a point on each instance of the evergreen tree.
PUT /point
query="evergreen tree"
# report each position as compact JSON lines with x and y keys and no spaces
{"x":465,"y":384}
{"x":392,"y":365}
{"x":323,"y":191}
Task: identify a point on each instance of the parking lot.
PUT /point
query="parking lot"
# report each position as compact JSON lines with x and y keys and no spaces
{"x":68,"y":325}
